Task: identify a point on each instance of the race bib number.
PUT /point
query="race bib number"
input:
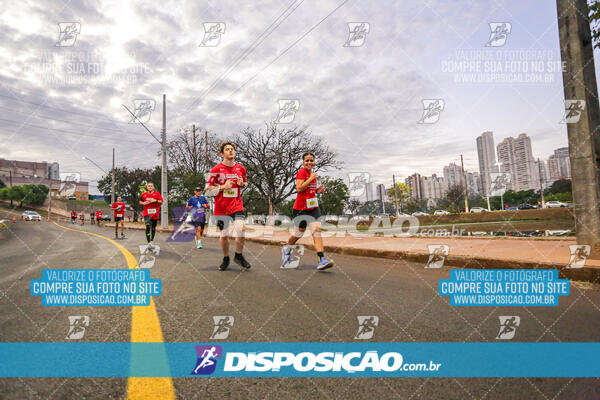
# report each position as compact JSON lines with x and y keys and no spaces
{"x":151,"y":211}
{"x":119,"y":215}
{"x":233,"y":192}
{"x":311,"y":203}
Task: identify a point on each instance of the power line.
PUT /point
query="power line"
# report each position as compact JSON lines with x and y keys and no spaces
{"x":244,"y":54}
{"x":62,"y":130}
{"x":63,"y":110}
{"x":282,"y":53}
{"x":71,"y":122}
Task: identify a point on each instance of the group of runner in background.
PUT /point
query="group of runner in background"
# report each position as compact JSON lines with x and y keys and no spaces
{"x":94,"y":216}
{"x":226,"y":181}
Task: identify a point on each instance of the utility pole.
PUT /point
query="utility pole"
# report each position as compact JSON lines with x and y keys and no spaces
{"x":579,"y":80}
{"x":395,"y":195}
{"x":164,"y":220}
{"x":112,"y":180}
{"x":462,"y":165}
{"x":541,"y":182}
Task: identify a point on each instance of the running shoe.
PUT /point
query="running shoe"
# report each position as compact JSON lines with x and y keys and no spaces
{"x":324,"y":264}
{"x":199,"y":244}
{"x":285,"y":256}
{"x":242,"y":261}
{"x":224,"y":264}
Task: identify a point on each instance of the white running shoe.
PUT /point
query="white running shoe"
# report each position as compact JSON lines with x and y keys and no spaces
{"x":286,"y":253}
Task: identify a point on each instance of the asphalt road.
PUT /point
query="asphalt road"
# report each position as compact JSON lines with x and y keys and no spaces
{"x":270,"y":304}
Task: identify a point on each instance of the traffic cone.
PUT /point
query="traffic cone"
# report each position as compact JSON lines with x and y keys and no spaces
{"x":14,"y":220}
{"x":48,"y":219}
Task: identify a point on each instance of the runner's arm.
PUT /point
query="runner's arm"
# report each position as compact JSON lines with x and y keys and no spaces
{"x":302,"y":184}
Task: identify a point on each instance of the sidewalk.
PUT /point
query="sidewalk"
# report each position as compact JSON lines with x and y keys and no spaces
{"x":467,"y":252}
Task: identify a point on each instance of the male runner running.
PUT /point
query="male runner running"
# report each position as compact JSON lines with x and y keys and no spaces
{"x":92,"y":217}
{"x":306,"y":209}
{"x":73,"y":216}
{"x":228,"y":177}
{"x":119,"y":208}
{"x":196,"y":206}
{"x":151,"y":200}
{"x":82,"y":217}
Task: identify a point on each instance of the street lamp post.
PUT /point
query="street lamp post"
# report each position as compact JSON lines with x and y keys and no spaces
{"x":112,"y":194}
{"x":163,"y":146}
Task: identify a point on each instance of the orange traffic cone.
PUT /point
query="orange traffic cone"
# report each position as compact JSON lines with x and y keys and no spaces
{"x":14,"y":220}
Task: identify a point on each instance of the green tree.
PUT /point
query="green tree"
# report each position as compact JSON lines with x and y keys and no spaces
{"x":454,"y":200}
{"x":286,"y":207}
{"x":2,"y":184}
{"x":354,"y":206}
{"x":127,"y":184}
{"x":594,"y":17}
{"x":414,"y":205}
{"x":254,"y":203}
{"x":333,"y":199}
{"x":399,"y":193}
{"x":16,"y":193}
{"x":560,"y":186}
{"x":370,"y":208}
{"x":34,"y":194}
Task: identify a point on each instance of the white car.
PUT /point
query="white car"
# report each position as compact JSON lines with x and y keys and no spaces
{"x":31,"y":216}
{"x":478,"y":210}
{"x":419,"y":214}
{"x":441,"y":212}
{"x":555,"y":204}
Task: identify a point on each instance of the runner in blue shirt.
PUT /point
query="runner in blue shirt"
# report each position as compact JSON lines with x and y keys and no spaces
{"x":196,"y":207}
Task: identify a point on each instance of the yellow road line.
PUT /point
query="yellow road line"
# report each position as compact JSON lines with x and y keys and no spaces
{"x":145,"y":328}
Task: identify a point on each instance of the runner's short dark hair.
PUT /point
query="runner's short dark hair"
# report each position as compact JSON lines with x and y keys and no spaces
{"x":307,"y":154}
{"x":222,"y":146}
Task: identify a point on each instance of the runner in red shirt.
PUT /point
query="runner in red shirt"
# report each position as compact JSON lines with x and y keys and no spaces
{"x":228,"y":178}
{"x":151,"y":200}
{"x":98,"y":217}
{"x":73,"y":216}
{"x":306,"y":211}
{"x":119,"y":208}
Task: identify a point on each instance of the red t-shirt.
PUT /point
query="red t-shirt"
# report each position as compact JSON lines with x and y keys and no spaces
{"x":98,"y":214}
{"x":153,"y":208}
{"x":228,"y":201}
{"x":73,"y":214}
{"x":119,"y":208}
{"x":306,"y":199}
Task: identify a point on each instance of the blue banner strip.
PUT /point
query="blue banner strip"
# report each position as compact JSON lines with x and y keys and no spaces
{"x":297,"y":359}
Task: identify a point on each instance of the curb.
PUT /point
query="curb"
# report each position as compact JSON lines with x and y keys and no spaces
{"x":589,"y":274}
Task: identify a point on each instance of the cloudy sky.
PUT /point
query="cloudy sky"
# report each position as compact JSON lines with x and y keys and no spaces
{"x":60,"y":103}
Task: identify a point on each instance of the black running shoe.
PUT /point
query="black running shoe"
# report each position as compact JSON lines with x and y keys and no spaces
{"x":224,"y":264}
{"x":242,"y":261}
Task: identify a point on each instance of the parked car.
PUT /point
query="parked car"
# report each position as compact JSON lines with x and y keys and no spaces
{"x":511,"y":209}
{"x":441,"y":212}
{"x":526,"y":206}
{"x":478,"y":210}
{"x":31,"y":216}
{"x":419,"y":214}
{"x":71,"y":197}
{"x":105,"y":218}
{"x":555,"y":204}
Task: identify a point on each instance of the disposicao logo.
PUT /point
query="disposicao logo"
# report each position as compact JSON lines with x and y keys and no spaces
{"x":308,"y":361}
{"x":207,"y":359}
